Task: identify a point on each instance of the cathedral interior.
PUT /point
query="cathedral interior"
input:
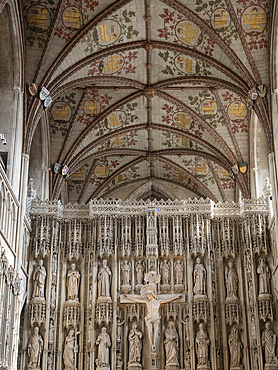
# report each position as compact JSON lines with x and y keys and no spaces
{"x":138,"y":184}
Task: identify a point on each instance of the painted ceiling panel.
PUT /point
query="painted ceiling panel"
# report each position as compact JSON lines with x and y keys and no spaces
{"x":120,"y":27}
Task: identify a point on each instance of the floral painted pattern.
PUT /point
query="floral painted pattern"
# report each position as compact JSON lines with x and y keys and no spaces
{"x":182,"y":31}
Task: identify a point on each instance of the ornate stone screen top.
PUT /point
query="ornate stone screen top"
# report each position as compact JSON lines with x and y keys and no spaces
{"x":150,"y":285}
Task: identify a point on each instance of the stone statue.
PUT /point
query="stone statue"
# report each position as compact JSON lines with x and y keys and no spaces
{"x":235,"y":347}
{"x":269,"y":345}
{"x":50,"y":361}
{"x":187,"y":331}
{"x":70,"y":350}
{"x":140,"y":268}
{"x":104,"y":275}
{"x":178,"y":272}
{"x":103,"y":342}
{"x":51,"y":333}
{"x":153,"y":304}
{"x":264,"y":276}
{"x":171,"y":343}
{"x":119,"y":362}
{"x":165,"y":272}
{"x":253,"y":331}
{"x":135,"y":345}
{"x":231,"y":280}
{"x":35,"y":347}
{"x":202,"y":346}
{"x":126,"y":273}
{"x":199,"y":278}
{"x":73,"y":283}
{"x":39,"y":280}
{"x":119,"y":331}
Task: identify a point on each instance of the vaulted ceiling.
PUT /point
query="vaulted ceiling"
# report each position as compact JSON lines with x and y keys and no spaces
{"x":149,"y":97}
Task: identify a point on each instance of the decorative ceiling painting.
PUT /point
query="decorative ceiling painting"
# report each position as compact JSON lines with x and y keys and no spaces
{"x":149,"y":94}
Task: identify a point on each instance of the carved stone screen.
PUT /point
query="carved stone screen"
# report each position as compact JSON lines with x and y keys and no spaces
{"x":156,"y":285}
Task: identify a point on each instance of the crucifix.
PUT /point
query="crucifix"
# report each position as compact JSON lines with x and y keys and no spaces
{"x":153,"y":302}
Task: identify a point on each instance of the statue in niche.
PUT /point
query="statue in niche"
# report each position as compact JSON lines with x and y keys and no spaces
{"x":35,"y":348}
{"x":165,"y":272}
{"x":126,"y":266}
{"x":140,"y":268}
{"x":264,"y":276}
{"x":119,"y":362}
{"x":231,"y":280}
{"x":39,"y":277}
{"x":73,"y":283}
{"x":269,"y":345}
{"x":119,"y":331}
{"x":178,"y":272}
{"x":51,"y":333}
{"x":153,"y":304}
{"x":89,"y":329}
{"x":50,"y":361}
{"x":104,"y":275}
{"x":187,"y":359}
{"x":171,"y":343}
{"x":199,"y":278}
{"x":135,"y":345}
{"x":53,"y":294}
{"x":103,"y":342}
{"x":235,"y":347}
{"x":71,"y":350}
{"x":202,"y":346}
{"x":253,"y":331}
{"x":187,"y":331}
{"x":251,"y":293}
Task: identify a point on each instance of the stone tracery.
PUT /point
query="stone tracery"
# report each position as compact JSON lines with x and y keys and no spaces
{"x":157,"y":311}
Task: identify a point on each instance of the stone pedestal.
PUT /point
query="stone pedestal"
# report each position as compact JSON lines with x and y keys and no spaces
{"x":135,"y":366}
{"x":271,"y":367}
{"x":236,"y":368}
{"x":126,"y":288}
{"x":179,"y":288}
{"x":153,"y":361}
{"x":172,"y":367}
{"x":203,"y":367}
{"x":102,"y":368}
{"x":164,"y":288}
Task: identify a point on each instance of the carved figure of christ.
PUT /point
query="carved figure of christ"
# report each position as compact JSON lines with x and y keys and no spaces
{"x":152,"y":318}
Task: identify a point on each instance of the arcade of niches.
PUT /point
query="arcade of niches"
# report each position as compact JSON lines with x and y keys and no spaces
{"x":150,"y":285}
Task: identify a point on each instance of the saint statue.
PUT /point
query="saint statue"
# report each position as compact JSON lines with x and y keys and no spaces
{"x":103,"y":342}
{"x":165,"y":272}
{"x":73,"y":283}
{"x":135,"y":345}
{"x":178,"y":272}
{"x":153,"y":304}
{"x":171,"y":343}
{"x":199,"y":278}
{"x":104,"y":280}
{"x":264,"y":276}
{"x":231,"y":280}
{"x":269,"y":345}
{"x":126,"y":273}
{"x":119,"y":331}
{"x":51,"y":333}
{"x":140,"y":272}
{"x":70,"y":350}
{"x":235,"y":348}
{"x":202,"y":344}
{"x":39,"y":280}
{"x":35,"y":347}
